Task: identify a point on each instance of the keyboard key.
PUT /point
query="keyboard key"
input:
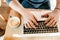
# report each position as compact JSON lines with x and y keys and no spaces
{"x":42,"y":28}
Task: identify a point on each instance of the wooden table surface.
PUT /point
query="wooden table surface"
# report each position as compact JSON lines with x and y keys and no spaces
{"x":10,"y":31}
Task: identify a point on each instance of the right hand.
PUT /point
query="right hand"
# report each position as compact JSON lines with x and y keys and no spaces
{"x":31,"y":20}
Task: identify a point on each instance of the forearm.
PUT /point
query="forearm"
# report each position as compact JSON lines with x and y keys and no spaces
{"x":57,"y":8}
{"x":17,"y":7}
{"x":58,"y":4}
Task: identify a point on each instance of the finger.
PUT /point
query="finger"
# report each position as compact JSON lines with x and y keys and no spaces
{"x":34,"y":21}
{"x":50,"y":22}
{"x":45,"y":15}
{"x":28,"y":25}
{"x":32,"y":24}
{"x":47,"y":20}
{"x":35,"y":18}
{"x":54,"y":23}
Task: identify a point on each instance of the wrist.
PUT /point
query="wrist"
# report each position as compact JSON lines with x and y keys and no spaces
{"x":56,"y":11}
{"x":57,"y":8}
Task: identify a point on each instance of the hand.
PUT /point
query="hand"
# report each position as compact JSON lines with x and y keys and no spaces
{"x":31,"y":20}
{"x":52,"y":18}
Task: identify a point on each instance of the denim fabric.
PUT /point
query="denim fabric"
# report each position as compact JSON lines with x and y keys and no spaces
{"x":36,"y":0}
{"x":36,"y":4}
{"x":8,"y":1}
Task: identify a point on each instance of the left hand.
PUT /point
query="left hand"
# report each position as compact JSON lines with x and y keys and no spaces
{"x":52,"y":18}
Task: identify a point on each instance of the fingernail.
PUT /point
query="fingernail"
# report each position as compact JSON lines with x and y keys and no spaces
{"x":50,"y":26}
{"x":37,"y":24}
{"x":36,"y":28}
{"x":46,"y":25}
{"x":26,"y":27}
{"x":44,"y":22}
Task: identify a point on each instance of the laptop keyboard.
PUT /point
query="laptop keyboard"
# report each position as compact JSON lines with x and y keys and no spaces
{"x":41,"y":29}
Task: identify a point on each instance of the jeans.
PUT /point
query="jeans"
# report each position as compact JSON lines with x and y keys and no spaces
{"x":8,"y":1}
{"x":45,"y":5}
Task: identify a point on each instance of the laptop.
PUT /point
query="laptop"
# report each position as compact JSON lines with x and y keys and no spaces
{"x":42,"y":29}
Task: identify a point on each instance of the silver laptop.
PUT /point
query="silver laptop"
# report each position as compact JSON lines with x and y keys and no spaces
{"x":42,"y":28}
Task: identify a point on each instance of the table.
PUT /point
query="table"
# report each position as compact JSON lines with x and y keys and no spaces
{"x":10,"y":31}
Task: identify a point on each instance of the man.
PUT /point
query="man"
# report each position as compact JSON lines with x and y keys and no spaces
{"x":31,"y":19}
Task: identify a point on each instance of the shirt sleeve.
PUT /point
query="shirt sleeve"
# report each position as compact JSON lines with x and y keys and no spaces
{"x":8,"y":1}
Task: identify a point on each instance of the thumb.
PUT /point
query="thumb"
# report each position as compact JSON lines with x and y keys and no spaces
{"x":45,"y":15}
